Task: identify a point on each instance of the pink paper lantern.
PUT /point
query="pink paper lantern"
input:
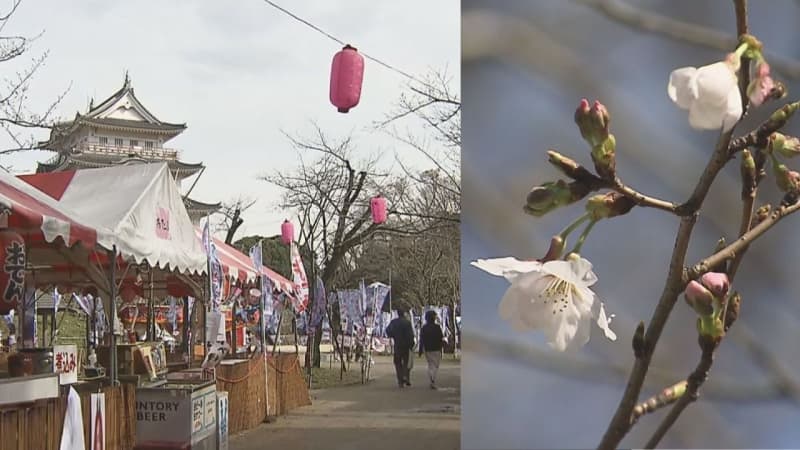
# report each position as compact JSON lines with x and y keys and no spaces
{"x":287,"y":232}
{"x":378,"y":207}
{"x":347,"y":74}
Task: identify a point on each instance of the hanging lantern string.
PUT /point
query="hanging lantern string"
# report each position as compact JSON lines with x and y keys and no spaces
{"x":335,"y":39}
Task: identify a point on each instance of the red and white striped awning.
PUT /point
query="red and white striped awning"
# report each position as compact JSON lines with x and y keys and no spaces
{"x":236,"y":265}
{"x":40,"y":216}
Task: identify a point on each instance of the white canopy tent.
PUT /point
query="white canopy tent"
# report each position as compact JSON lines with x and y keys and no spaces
{"x":142,"y":207}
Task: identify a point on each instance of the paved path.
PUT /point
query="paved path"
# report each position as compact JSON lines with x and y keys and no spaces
{"x":375,"y":416}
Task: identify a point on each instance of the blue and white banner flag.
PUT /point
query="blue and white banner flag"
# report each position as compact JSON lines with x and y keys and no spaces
{"x":320,"y":303}
{"x":215,"y":274}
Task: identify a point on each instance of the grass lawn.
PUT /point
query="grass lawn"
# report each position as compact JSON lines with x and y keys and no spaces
{"x":326,"y":377}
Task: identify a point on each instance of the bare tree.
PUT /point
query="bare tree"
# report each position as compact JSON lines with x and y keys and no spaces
{"x":231,"y":212}
{"x":330,"y":191}
{"x":427,"y":119}
{"x":16,"y":118}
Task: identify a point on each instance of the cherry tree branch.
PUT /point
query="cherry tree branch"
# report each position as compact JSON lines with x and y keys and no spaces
{"x":593,"y":182}
{"x":743,"y":242}
{"x":621,"y":421}
{"x":707,"y":345}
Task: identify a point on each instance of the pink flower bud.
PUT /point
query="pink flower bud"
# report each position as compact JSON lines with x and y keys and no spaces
{"x":761,"y":85}
{"x":699,"y":298}
{"x":599,"y":114}
{"x":717,"y":283}
{"x":592,"y":122}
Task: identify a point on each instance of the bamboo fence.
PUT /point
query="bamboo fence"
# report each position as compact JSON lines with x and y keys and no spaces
{"x":38,"y":425}
{"x":244,"y":383}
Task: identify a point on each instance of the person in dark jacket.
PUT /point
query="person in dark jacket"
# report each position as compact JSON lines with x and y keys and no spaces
{"x":431,"y":342}
{"x":402,"y":333}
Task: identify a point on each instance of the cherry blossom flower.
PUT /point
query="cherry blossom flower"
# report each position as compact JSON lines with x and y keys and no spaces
{"x":552,"y":297}
{"x":710,"y":93}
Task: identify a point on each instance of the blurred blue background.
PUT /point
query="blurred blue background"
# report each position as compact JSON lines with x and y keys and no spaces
{"x":525,"y":66}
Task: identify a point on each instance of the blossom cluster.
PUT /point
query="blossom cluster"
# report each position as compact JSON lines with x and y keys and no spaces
{"x":554,"y":294}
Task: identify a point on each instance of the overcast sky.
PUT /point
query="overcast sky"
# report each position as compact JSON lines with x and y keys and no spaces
{"x":237,"y":73}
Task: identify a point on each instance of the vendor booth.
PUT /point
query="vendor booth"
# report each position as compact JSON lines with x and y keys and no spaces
{"x":158,"y":255}
{"x":123,"y":233}
{"x":52,"y":244}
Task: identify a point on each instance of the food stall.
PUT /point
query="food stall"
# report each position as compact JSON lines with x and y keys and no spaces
{"x":53,"y":244}
{"x":152,"y":262}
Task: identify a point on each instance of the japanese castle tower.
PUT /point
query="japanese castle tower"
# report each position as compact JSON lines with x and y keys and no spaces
{"x":120,"y":130}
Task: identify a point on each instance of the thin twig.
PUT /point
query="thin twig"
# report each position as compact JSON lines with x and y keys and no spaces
{"x":577,"y":172}
{"x":661,"y":400}
{"x":708,"y":345}
{"x":740,"y":244}
{"x":635,"y":17}
{"x":644,"y":200}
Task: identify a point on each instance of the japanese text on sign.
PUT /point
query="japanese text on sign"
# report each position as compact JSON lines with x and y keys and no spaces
{"x":65,"y":363}
{"x":14,"y":266}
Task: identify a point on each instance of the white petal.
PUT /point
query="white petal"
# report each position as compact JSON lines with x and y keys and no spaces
{"x":583,"y":270}
{"x":508,"y":267}
{"x":734,"y":110}
{"x":706,"y":116}
{"x":682,"y":87}
{"x":569,"y":333}
{"x":561,"y":269}
{"x":584,"y":300}
{"x":715,"y":81}
{"x":521,"y":305}
{"x":604,"y":323}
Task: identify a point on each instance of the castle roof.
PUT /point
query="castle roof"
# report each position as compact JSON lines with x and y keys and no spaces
{"x":121,"y":111}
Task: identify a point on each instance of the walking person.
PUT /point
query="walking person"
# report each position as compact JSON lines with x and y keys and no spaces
{"x":431,"y":342}
{"x":402,"y":334}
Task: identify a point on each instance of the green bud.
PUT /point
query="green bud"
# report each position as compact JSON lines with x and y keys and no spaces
{"x":610,"y":204}
{"x":787,"y":180}
{"x":547,"y":197}
{"x":748,"y":172}
{"x":753,"y":44}
{"x":604,"y":158}
{"x":785,"y":113}
{"x":710,"y":326}
{"x":786,"y":146}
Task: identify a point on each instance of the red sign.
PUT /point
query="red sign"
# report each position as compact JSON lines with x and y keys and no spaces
{"x":12,"y":277}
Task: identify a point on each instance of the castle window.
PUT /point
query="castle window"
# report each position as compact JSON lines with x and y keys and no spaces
{"x":118,"y":142}
{"x":103,"y":140}
{"x":134,"y":143}
{"x":148,"y":144}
